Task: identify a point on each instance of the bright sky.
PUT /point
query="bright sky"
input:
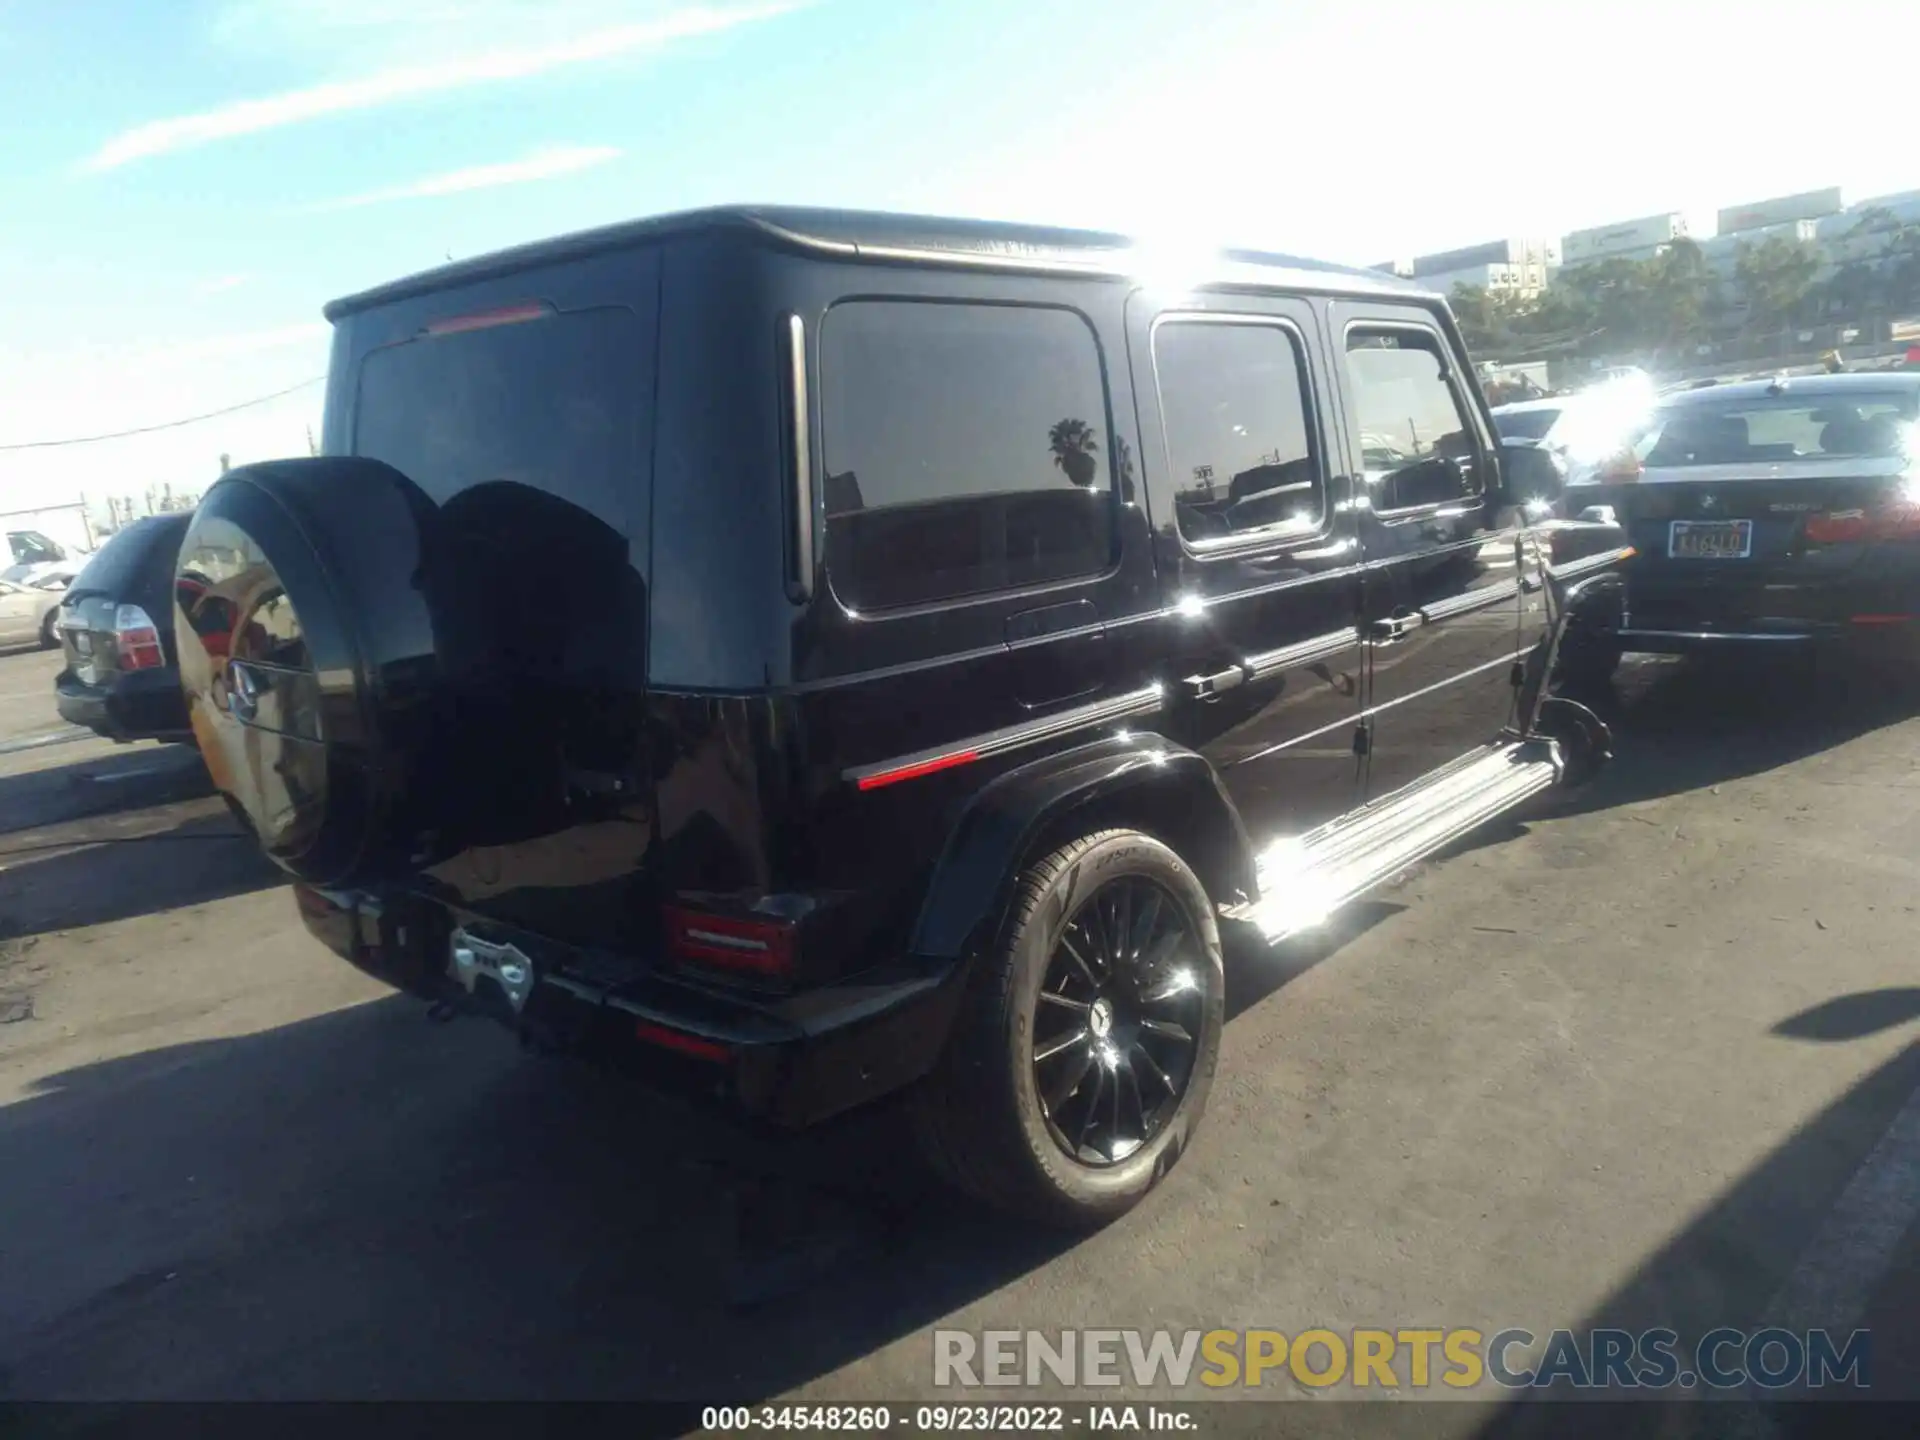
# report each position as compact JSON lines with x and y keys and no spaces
{"x":185,"y":182}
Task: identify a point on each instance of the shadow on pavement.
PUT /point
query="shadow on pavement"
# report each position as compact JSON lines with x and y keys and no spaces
{"x":138,"y":777}
{"x":367,"y":1204}
{"x":1724,"y":1267}
{"x":1256,"y":970}
{"x":117,"y":878}
{"x":1682,"y":725}
{"x":1853,"y":1017}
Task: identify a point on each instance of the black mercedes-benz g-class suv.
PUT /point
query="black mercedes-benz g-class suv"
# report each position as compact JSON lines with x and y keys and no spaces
{"x":838,"y":655}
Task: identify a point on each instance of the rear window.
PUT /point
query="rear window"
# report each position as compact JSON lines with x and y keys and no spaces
{"x":550,"y":403}
{"x":1862,"y":425}
{"x":1524,"y":424}
{"x":136,"y":564}
{"x":967,"y":450}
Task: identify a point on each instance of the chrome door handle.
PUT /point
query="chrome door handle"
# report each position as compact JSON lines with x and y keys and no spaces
{"x":1207,"y":687}
{"x":1385,"y":632}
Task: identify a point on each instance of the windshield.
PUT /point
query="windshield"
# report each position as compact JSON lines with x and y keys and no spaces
{"x":1525,"y":424}
{"x":33,"y":548}
{"x":1784,"y":428}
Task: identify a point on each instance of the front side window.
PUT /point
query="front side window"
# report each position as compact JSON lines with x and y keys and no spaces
{"x":1417,"y":445}
{"x":967,"y":450}
{"x":1240,"y":442}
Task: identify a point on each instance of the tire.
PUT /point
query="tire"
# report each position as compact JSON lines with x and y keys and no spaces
{"x":49,"y":631}
{"x":981,"y":1117}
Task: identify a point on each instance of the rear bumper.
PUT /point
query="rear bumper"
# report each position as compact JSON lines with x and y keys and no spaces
{"x":1667,"y":614}
{"x":791,"y":1060}
{"x":139,"y":705}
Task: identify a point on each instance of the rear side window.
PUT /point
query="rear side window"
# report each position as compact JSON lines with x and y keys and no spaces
{"x":966,"y":450}
{"x":136,"y":565}
{"x":549,"y":403}
{"x":1240,"y":446}
{"x":1416,"y":445}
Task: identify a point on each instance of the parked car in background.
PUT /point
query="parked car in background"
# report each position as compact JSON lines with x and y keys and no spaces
{"x":27,"y":615}
{"x":901,"y":650}
{"x":1768,"y":515}
{"x":37,"y":559}
{"x":122,"y":678}
{"x":1583,"y":430}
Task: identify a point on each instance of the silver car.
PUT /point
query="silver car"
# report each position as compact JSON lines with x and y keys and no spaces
{"x":27,"y":615}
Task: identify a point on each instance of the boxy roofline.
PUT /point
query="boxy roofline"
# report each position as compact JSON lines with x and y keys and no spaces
{"x":864,"y":235}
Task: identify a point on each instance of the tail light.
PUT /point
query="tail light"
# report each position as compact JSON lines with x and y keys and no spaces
{"x":757,"y":947}
{"x":137,"y":639}
{"x":1898,"y":520}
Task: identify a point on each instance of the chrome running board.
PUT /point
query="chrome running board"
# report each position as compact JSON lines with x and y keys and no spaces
{"x":1305,"y":878}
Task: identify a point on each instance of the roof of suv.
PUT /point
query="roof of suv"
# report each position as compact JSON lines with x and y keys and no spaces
{"x":855,"y":234}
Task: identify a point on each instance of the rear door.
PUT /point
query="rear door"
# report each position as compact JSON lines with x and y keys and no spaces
{"x":1255,"y":542}
{"x":1449,"y":598}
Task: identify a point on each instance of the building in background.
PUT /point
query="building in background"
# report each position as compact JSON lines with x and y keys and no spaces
{"x":1722,"y":251}
{"x":1811,"y":205}
{"x":1520,"y":267}
{"x":1623,"y":240}
{"x":1847,"y":236}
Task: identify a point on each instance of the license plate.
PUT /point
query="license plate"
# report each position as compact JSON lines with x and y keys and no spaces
{"x":1710,"y":539}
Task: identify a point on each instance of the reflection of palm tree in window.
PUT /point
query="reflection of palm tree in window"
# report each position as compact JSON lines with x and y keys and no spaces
{"x":1073,"y":445}
{"x":1123,"y":461}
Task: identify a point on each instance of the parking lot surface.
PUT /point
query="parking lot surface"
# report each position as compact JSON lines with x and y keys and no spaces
{"x":1619,"y":1061}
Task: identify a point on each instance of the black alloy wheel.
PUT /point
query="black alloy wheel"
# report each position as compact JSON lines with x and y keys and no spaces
{"x":1121,"y":1014}
{"x":1086,"y":1042}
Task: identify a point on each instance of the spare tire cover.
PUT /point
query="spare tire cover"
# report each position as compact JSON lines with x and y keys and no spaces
{"x":312,"y":660}
{"x":375,"y":681}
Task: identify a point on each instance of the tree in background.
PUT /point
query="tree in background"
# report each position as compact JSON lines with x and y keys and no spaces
{"x":1486,"y":319}
{"x":1680,"y":300}
{"x":1774,"y":279}
{"x":1664,"y":307}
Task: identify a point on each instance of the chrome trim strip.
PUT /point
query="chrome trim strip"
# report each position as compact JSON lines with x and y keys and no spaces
{"x":1305,"y":652}
{"x":1484,"y":598}
{"x":802,"y":442}
{"x":1587,"y":564}
{"x":1714,"y":635}
{"x":1027,"y":732}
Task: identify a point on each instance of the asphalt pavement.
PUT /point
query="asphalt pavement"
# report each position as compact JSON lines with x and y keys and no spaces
{"x":1642,"y":1056}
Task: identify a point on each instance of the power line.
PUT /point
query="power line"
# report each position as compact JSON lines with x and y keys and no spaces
{"x":168,"y":425}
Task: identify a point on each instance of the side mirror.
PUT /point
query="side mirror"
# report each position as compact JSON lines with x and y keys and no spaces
{"x":1530,"y":473}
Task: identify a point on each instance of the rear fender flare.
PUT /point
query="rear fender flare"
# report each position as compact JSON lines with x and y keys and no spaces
{"x":1142,"y":780}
